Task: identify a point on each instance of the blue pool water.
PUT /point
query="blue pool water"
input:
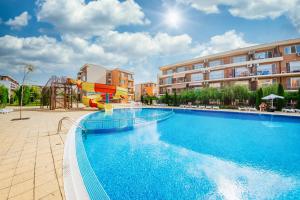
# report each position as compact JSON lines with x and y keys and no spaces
{"x":197,"y":155}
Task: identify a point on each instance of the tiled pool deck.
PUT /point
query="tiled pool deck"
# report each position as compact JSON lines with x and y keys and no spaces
{"x":31,"y":155}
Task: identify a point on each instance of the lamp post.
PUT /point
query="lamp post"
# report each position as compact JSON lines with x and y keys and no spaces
{"x":27,"y":69}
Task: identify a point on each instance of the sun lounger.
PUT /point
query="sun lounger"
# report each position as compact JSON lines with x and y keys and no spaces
{"x":208,"y":107}
{"x":297,"y":110}
{"x":182,"y":106}
{"x":6,"y":110}
{"x":241,"y":108}
{"x":289,"y":110}
{"x":216,"y":107}
{"x":252,"y":109}
{"x":201,"y":107}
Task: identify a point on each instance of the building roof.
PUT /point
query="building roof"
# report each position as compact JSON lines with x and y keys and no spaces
{"x":149,"y":82}
{"x":123,"y":70}
{"x":92,"y":65}
{"x":9,"y":77}
{"x":232,"y":52}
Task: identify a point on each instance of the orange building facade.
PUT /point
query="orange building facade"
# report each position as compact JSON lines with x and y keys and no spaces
{"x":254,"y":67}
{"x":122,"y":78}
{"x":145,"y":89}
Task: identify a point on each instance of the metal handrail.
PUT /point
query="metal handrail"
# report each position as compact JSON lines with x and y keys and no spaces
{"x":70,"y":120}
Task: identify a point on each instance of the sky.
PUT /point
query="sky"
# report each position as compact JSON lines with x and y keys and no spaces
{"x":58,"y":37}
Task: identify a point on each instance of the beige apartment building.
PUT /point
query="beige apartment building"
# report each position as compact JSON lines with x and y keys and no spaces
{"x":145,"y":89}
{"x":254,"y":67}
{"x":100,"y":74}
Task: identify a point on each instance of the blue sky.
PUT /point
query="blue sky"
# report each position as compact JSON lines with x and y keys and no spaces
{"x":59,"y":36}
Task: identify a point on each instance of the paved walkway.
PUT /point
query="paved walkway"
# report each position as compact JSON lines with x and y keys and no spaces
{"x":31,"y":155}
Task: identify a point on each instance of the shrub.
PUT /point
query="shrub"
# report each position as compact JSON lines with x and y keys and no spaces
{"x":3,"y":95}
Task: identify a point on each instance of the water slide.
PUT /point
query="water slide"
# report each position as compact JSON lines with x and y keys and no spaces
{"x":103,"y":93}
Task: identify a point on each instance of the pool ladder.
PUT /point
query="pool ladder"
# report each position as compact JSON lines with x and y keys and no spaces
{"x":73,"y":122}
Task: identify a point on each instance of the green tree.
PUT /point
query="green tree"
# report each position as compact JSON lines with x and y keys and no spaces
{"x":280,"y":102}
{"x":252,"y":98}
{"x":142,"y":98}
{"x":26,"y":95}
{"x":35,"y":93}
{"x":298,"y":100}
{"x":259,"y":95}
{"x":240,"y":93}
{"x":227,"y":95}
{"x":175,"y":99}
{"x":3,"y":95}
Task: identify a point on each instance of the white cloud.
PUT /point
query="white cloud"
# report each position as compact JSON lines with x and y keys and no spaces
{"x":19,"y":21}
{"x":142,"y":44}
{"x":225,"y":42}
{"x":92,"y":18}
{"x":255,"y":9}
{"x":137,"y":52}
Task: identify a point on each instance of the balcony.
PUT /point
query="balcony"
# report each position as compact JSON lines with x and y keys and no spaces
{"x":224,"y":66}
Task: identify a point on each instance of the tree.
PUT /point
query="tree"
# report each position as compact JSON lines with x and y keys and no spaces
{"x":252,"y":98}
{"x":35,"y":93}
{"x":298,"y":100}
{"x":26,"y":95}
{"x":175,"y":99}
{"x":280,"y":102}
{"x":227,"y":95}
{"x":142,"y":98}
{"x":259,"y":95}
{"x":240,"y":92}
{"x":3,"y":95}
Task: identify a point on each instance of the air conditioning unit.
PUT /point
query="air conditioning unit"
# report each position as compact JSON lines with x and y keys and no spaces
{"x":283,"y":72}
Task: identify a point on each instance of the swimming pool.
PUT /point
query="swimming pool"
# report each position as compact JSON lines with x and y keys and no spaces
{"x":191,"y":155}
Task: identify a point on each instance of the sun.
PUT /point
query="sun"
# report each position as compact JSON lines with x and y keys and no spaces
{"x":173,"y":18}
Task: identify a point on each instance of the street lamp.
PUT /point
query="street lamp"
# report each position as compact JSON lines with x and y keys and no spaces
{"x":27,"y":69}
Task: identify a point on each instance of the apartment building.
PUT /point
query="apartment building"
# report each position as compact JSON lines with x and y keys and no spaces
{"x":122,"y":78}
{"x":145,"y":89}
{"x":92,"y":73}
{"x":100,"y":74}
{"x":10,"y":83}
{"x":254,"y":67}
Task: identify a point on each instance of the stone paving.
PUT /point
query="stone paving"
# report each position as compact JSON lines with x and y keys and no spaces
{"x":31,"y":154}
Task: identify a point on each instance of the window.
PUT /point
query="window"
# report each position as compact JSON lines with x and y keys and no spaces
{"x":169,"y":71}
{"x":294,"y":83}
{"x":263,"y":55}
{"x":216,"y":75}
{"x":295,"y":66}
{"x":265,"y":82}
{"x":169,"y":80}
{"x":237,"y":59}
{"x":198,"y":66}
{"x":180,"y":69}
{"x":197,"y":77}
{"x":241,"y":71}
{"x":215,"y":63}
{"x":292,"y":49}
{"x":265,"y":69}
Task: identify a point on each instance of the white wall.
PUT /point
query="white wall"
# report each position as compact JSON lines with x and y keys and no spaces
{"x":96,"y":74}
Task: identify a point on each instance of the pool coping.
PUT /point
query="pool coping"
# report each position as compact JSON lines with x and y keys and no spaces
{"x":73,"y":182}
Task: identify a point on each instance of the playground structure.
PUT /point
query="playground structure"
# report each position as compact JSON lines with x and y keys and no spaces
{"x":63,"y":93}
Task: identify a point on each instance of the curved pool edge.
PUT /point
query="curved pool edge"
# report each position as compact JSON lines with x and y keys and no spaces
{"x":75,"y":187}
{"x":73,"y":183}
